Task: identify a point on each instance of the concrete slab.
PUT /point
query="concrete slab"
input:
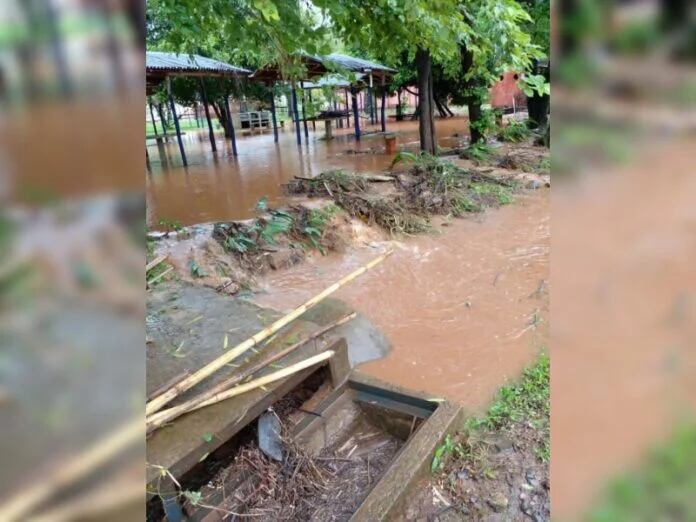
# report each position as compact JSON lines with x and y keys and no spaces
{"x":200,"y":318}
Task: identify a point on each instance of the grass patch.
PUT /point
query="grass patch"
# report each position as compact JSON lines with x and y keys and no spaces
{"x":662,"y":488}
{"x":478,"y":153}
{"x":526,"y":401}
{"x":514,"y":132}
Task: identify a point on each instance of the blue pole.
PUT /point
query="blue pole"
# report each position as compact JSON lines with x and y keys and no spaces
{"x":356,"y":118}
{"x":176,"y":122}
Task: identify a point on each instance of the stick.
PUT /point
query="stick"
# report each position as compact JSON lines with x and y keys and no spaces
{"x":192,"y":404}
{"x":157,"y":403}
{"x":160,"y":276}
{"x":18,"y":507}
{"x":168,"y":384}
{"x":152,"y":264}
{"x":156,"y":420}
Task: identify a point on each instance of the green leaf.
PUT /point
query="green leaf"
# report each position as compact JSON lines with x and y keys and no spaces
{"x":193,"y":496}
{"x":208,"y":437}
{"x":262,"y":204}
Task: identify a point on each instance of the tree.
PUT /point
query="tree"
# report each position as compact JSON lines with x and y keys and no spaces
{"x":426,"y":31}
{"x":536,"y":85}
{"x":498,"y":42}
{"x":248,"y":32}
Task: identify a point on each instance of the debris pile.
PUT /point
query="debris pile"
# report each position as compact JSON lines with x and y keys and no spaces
{"x":431,"y":186}
{"x":279,"y":238}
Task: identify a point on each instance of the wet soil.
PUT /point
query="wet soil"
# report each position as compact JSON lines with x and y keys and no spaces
{"x":503,"y":480}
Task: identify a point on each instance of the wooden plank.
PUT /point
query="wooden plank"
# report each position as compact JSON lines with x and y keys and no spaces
{"x":410,"y":465}
{"x":167,"y":447}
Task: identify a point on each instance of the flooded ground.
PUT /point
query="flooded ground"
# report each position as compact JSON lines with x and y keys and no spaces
{"x":221,"y":187}
{"x":464,"y":310}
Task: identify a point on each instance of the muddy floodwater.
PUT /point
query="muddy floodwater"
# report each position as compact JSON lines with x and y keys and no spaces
{"x":219,"y":187}
{"x":464,"y":309}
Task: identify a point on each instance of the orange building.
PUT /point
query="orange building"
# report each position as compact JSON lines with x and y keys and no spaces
{"x":506,"y":93}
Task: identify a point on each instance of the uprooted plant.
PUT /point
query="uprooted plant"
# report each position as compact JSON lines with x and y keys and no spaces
{"x":298,"y":228}
{"x":435,"y":186}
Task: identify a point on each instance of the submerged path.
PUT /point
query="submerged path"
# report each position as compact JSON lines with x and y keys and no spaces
{"x":464,"y":310}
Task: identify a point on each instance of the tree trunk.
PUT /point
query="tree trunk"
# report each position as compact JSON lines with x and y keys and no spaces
{"x":291,"y":112}
{"x":399,"y":107}
{"x":440,"y":108}
{"x":538,"y":106}
{"x":426,"y":125}
{"x":163,"y":119}
{"x":219,"y":109}
{"x":474,"y":117}
{"x":473,"y":102}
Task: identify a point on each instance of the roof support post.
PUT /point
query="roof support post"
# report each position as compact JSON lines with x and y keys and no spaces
{"x":356,"y":118}
{"x":371,"y":100}
{"x":304,"y":113}
{"x":314,"y":123}
{"x":176,"y":122}
{"x":152,"y":115}
{"x":273,"y":115}
{"x":297,"y":114}
{"x":228,"y":116}
{"x":347,"y":111}
{"x":211,"y":134}
{"x":384,"y":98}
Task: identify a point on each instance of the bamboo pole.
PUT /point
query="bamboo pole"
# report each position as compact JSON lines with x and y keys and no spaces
{"x":160,"y":276}
{"x":152,"y":264}
{"x":158,"y":419}
{"x":158,"y":402}
{"x":162,"y":417}
{"x":18,"y":507}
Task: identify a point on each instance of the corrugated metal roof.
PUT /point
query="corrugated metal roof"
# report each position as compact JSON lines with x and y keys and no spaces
{"x":330,"y":81}
{"x":356,"y":64}
{"x":155,"y":60}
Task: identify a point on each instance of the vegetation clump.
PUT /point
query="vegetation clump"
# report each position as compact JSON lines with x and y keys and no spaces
{"x":293,"y":231}
{"x":440,"y":187}
{"x":663,"y":483}
{"x":431,"y":186}
{"x":478,"y":152}
{"x":514,"y":132}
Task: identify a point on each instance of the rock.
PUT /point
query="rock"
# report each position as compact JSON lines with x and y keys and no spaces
{"x":283,"y":258}
{"x":532,"y":479}
{"x":269,"y":440}
{"x":502,"y":443}
{"x":534,"y":184}
{"x":498,"y":502}
{"x":463,"y":475}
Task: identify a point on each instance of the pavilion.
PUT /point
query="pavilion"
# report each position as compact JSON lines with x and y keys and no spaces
{"x":161,"y":66}
{"x":364,"y":72}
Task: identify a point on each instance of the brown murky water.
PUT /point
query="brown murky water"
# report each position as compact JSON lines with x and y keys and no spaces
{"x":221,"y":187}
{"x":624,"y":318}
{"x":462,"y":310}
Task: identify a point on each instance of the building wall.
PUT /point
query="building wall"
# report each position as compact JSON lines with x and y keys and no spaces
{"x":506,"y":93}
